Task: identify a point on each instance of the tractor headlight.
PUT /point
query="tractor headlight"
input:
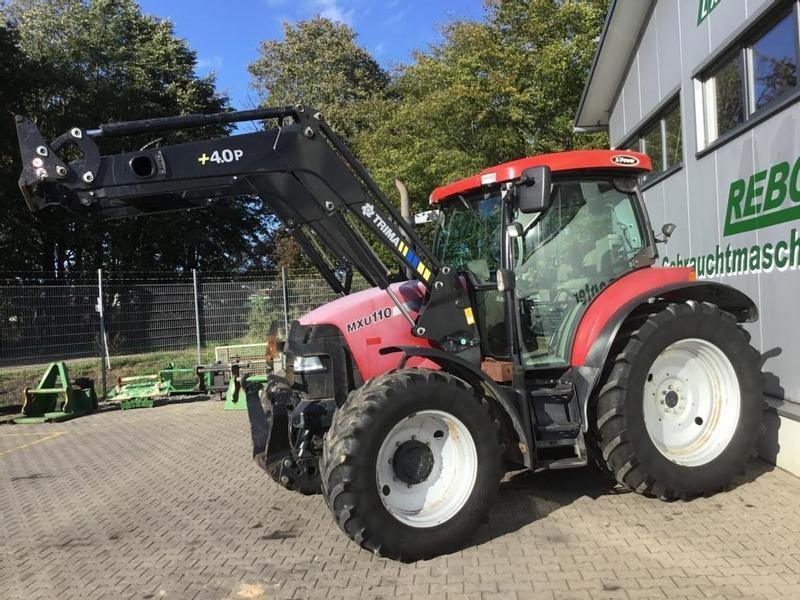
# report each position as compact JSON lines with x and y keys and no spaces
{"x":308,"y":364}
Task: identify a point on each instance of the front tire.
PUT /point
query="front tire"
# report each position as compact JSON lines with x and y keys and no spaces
{"x":679,"y":412}
{"x":411,"y":464}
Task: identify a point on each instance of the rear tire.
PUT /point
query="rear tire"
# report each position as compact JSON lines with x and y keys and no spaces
{"x":444,"y":472}
{"x":679,"y":412}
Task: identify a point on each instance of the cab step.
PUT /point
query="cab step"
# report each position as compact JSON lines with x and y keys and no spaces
{"x":567,"y":463}
{"x":570,"y":427}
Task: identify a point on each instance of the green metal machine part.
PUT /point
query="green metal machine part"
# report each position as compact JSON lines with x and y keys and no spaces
{"x":56,"y":399}
{"x":139,"y":391}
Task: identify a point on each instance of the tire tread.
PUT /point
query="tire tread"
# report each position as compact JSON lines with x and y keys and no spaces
{"x":342,"y":443}
{"x":611,"y":424}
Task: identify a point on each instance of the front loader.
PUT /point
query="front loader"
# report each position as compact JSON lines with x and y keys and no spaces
{"x":536,"y":332}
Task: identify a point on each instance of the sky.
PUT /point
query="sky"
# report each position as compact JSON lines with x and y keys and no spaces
{"x":226,"y":33}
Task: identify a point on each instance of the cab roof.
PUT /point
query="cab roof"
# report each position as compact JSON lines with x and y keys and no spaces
{"x":575,"y":160}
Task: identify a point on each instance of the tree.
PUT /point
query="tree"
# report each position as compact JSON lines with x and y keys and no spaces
{"x":103,"y":60}
{"x":286,"y":252}
{"x":319,"y":64}
{"x":16,"y":243}
{"x":550,"y":45}
{"x":490,"y":92}
{"x":445,"y":117}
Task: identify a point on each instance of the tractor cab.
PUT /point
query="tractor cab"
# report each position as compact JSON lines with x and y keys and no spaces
{"x":591,"y":230}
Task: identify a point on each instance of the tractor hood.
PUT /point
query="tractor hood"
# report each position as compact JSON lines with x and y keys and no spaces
{"x":369,"y":320}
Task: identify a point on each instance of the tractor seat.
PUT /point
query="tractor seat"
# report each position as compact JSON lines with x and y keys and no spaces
{"x":602,"y":258}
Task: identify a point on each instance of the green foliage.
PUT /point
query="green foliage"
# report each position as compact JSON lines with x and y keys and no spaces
{"x":100,"y":59}
{"x":444,"y":117}
{"x":492,"y":91}
{"x":84,"y":62}
{"x":319,"y":64}
{"x":265,"y":307}
{"x":14,"y":92}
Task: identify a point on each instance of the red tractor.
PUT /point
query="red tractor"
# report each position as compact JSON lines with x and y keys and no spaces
{"x":535,"y":333}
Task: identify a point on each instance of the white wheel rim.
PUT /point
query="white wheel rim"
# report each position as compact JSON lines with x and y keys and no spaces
{"x":453,"y":464}
{"x":691,"y":402}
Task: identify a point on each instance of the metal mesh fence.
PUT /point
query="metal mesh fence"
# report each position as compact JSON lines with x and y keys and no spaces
{"x":239,"y":309}
{"x":148,"y":315}
{"x":49,"y":320}
{"x":43,"y":320}
{"x":305,"y":294}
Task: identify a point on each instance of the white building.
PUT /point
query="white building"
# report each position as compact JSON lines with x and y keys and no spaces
{"x":710,"y":89}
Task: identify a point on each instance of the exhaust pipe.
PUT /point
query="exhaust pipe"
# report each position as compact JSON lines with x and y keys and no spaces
{"x":405,"y":212}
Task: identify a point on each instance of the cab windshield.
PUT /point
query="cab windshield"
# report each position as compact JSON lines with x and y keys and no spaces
{"x":591,"y":234}
{"x":468,"y":236}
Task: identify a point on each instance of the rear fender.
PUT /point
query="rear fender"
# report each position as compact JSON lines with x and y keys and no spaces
{"x":589,"y":359}
{"x":472,"y":375}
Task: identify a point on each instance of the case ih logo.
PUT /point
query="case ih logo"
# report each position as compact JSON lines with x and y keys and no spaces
{"x":625,"y":160}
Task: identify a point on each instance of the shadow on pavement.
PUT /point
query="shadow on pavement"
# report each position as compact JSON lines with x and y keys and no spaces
{"x":526,"y":497}
{"x":768,"y":443}
{"x":756,"y":467}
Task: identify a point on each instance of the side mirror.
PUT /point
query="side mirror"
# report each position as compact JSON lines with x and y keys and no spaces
{"x":533,"y":190}
{"x":666,"y":232}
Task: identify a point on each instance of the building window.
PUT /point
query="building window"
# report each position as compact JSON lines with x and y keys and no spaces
{"x":660,"y":139}
{"x":651,"y":143}
{"x":724,"y":91}
{"x":673,"y":143}
{"x":774,"y":59}
{"x":759,"y":70}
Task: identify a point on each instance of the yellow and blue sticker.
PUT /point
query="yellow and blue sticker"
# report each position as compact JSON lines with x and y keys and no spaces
{"x":414,"y":261}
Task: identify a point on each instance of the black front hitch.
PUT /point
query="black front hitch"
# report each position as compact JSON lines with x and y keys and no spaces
{"x":287,"y":431}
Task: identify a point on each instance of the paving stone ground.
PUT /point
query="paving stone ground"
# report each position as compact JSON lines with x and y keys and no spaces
{"x":165,"y":503}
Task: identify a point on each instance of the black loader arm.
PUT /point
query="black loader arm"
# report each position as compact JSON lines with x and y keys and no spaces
{"x":299,"y":167}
